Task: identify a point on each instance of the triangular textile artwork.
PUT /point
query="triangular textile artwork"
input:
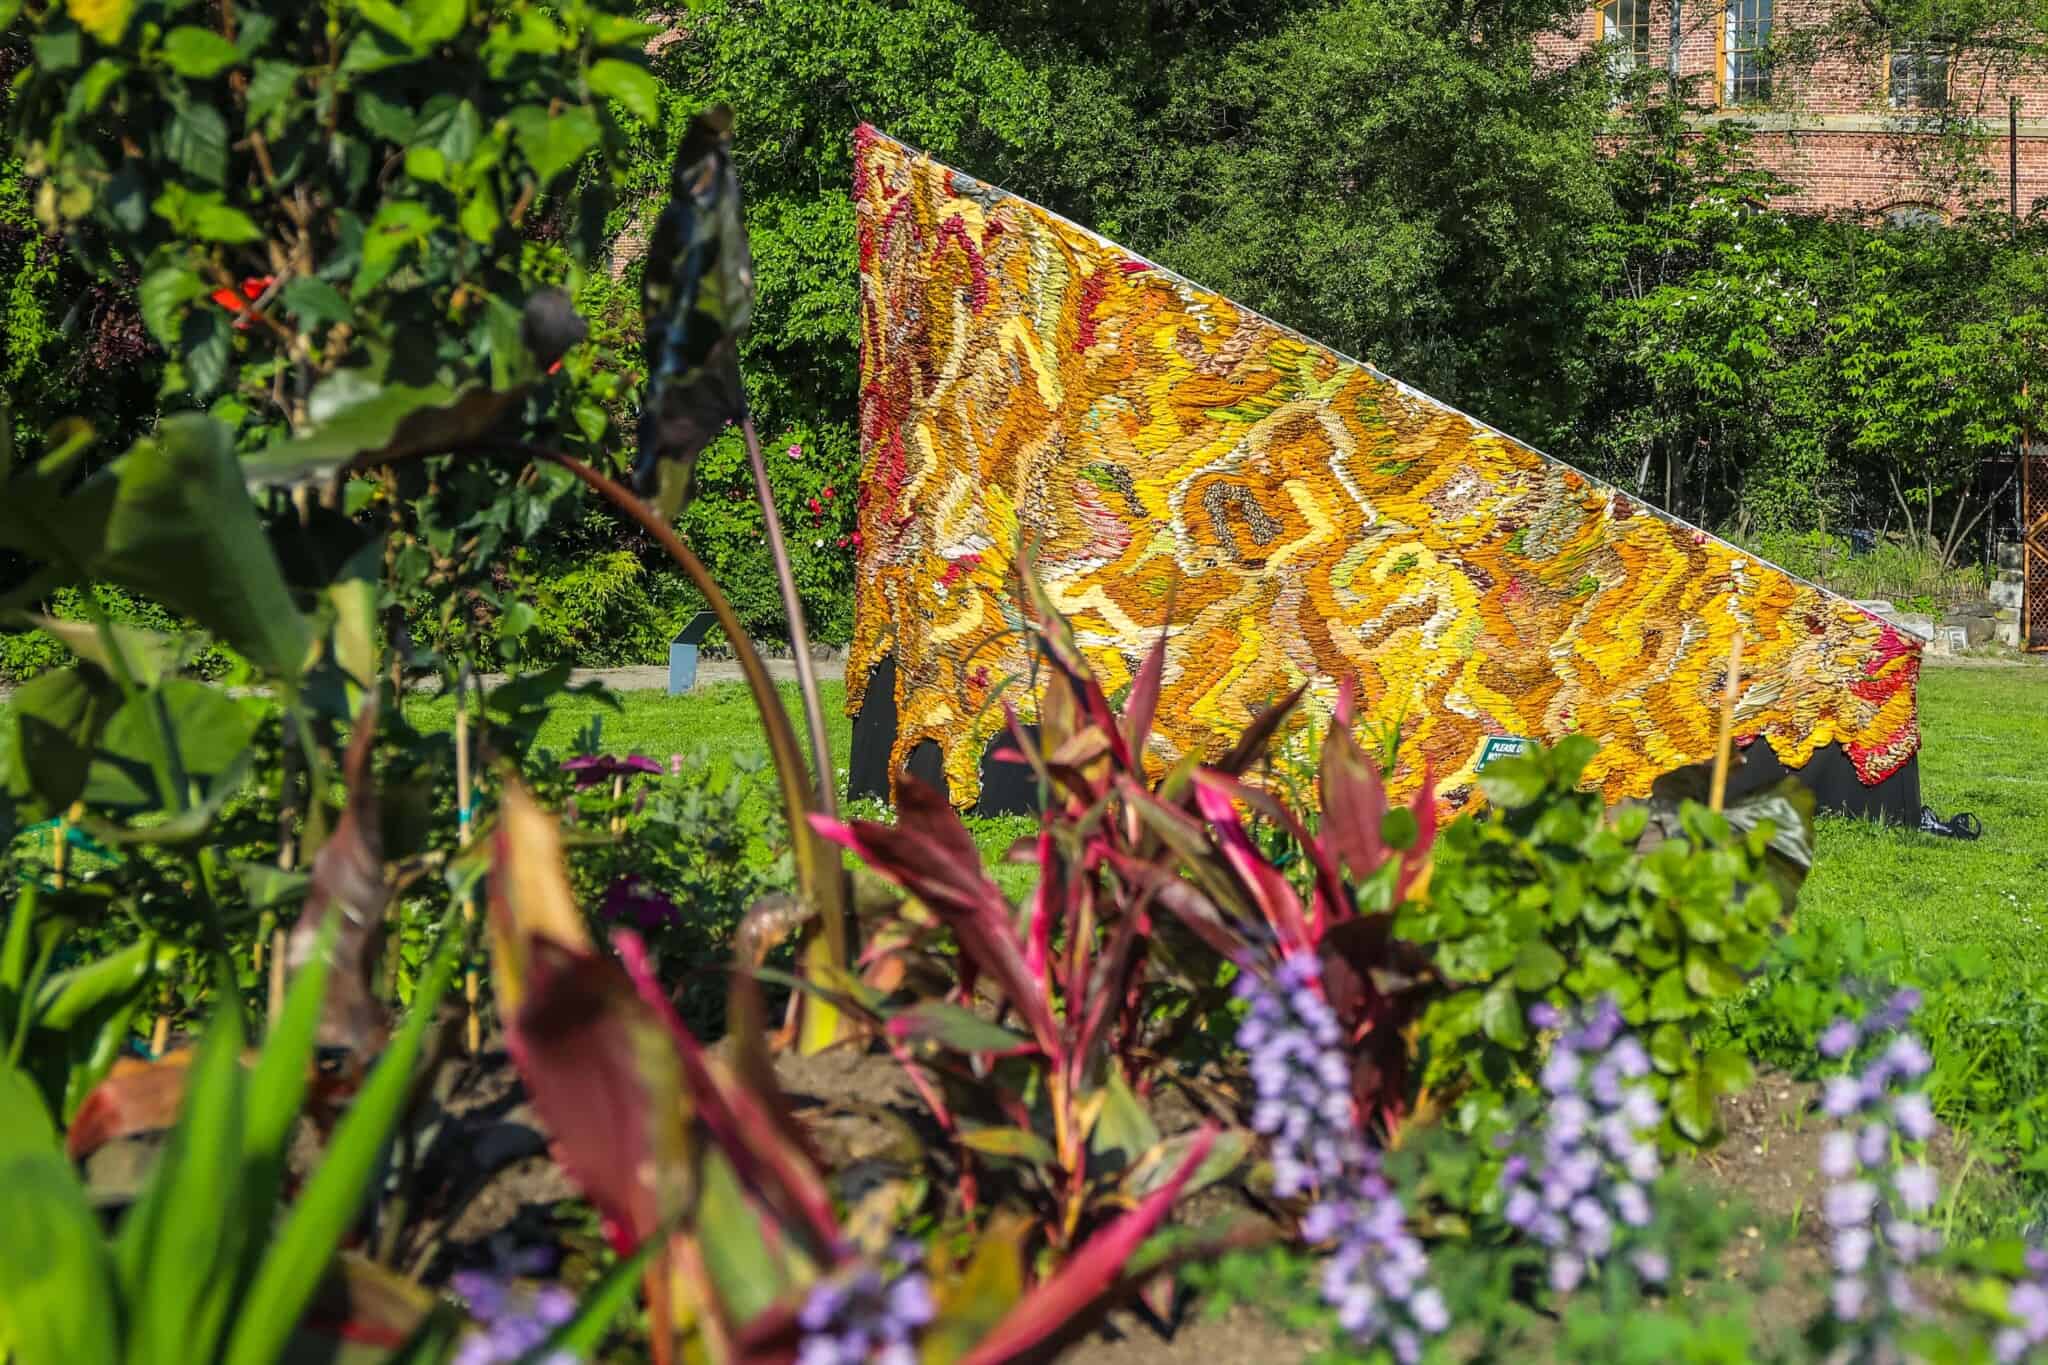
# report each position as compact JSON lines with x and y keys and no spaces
{"x":1025,"y":381}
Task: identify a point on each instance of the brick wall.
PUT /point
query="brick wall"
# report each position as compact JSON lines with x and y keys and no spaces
{"x":1830,"y":126}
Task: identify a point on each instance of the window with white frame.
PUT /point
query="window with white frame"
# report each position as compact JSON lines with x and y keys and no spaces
{"x":1919,"y":74}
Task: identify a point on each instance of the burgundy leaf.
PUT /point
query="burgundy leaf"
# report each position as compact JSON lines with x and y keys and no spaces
{"x":348,"y":882}
{"x":1088,"y":1279}
{"x":136,"y":1097}
{"x":1251,"y":744}
{"x":930,"y":854}
{"x":1143,"y":703}
{"x":1269,"y":890}
{"x":1354,"y":798}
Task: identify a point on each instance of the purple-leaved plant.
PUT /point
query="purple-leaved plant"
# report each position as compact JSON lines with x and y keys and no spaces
{"x":1578,"y":1183}
{"x":1377,"y":1274}
{"x":1881,"y":1188}
{"x":869,"y":1314}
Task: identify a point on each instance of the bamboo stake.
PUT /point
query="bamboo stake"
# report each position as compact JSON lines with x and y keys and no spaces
{"x":472,"y":1026}
{"x":1724,"y":749}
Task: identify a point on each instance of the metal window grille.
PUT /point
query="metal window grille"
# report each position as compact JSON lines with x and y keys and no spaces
{"x":1749,"y":35}
{"x":2034,"y":534}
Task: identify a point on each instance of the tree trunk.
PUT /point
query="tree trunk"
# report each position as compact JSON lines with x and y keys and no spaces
{"x":1671,"y":60}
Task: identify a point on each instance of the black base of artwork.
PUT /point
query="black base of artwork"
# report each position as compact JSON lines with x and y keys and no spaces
{"x":1009,"y":789}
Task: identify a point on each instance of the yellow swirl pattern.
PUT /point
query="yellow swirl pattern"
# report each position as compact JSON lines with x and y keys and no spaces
{"x":1288,"y":515}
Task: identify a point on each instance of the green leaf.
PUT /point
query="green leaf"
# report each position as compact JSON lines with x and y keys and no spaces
{"x":480,"y":217}
{"x":56,"y":1287}
{"x":204,"y":215}
{"x":196,"y":140}
{"x":1019,"y":1144}
{"x":91,"y":90}
{"x":1122,"y":1127}
{"x":1670,"y":1053}
{"x":106,"y":20}
{"x":1500,"y":1015}
{"x":1692,"y":1106}
{"x":69,"y":996}
{"x":148,"y":654}
{"x":552,"y":143}
{"x":179,"y":1252}
{"x":387,"y":422}
{"x":206,"y":346}
{"x":270,"y":86}
{"x":1537,"y":966}
{"x":1729,"y":1071}
{"x":290,"y":1274}
{"x":436,"y":21}
{"x":741,"y":1264}
{"x":54,"y":720}
{"x":631,"y":84}
{"x":163,"y":296}
{"x":198,"y":53}
{"x":400,"y":225}
{"x":1512,"y":783}
{"x":210,"y":730}
{"x":183,"y":531}
{"x":1709,"y":976}
{"x":278,"y":1089}
{"x":426,"y":163}
{"x":314,"y":302}
{"x":1669,"y":998}
{"x":384,"y":118}
{"x":956,"y":1028}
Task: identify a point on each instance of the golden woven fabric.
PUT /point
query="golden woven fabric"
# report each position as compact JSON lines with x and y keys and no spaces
{"x":1300,"y":516}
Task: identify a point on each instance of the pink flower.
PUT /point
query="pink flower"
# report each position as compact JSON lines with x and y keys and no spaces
{"x":796,"y":451}
{"x":812,"y":503}
{"x":828,"y":492}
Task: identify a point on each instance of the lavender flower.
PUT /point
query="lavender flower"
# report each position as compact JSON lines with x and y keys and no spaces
{"x":1880,"y":1187}
{"x":1578,"y":1184}
{"x":592,"y":769}
{"x":514,"y":1319}
{"x":1376,"y":1277}
{"x":2026,"y":1302}
{"x":867,"y":1315}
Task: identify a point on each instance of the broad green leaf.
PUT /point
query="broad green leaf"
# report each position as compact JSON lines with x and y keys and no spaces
{"x":1728,"y":1070}
{"x":552,"y":143}
{"x":1537,"y":966}
{"x":92,"y":88}
{"x":56,"y":1289}
{"x":1692,"y":1106}
{"x":1709,"y":976}
{"x":736,"y":1254}
{"x":184,"y":532}
{"x":25,"y":1126}
{"x":1122,"y":1128}
{"x":391,"y":422}
{"x":631,"y":84}
{"x":312,"y":1231}
{"x":278,"y":1088}
{"x":400,"y":225}
{"x":205,"y":347}
{"x":179,"y":1251}
{"x":204,"y":215}
{"x":1669,"y":997}
{"x":1018,"y":1143}
{"x":436,"y":21}
{"x":618,"y":30}
{"x":163,"y":297}
{"x":314,"y":301}
{"x":1669,"y":1050}
{"x":384,"y":117}
{"x":1512,"y":783}
{"x":54,"y":720}
{"x":196,"y":140}
{"x":1231,"y":1148}
{"x":148,"y":654}
{"x":1500,"y":1015}
{"x":981,"y":1296}
{"x":426,"y":163}
{"x":270,"y":86}
{"x":388,"y":17}
{"x":480,"y":217}
{"x":198,"y":53}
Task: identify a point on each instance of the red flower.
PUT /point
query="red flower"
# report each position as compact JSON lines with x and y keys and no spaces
{"x":828,"y":492}
{"x":813,"y":505}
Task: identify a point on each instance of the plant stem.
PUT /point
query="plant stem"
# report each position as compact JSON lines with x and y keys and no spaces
{"x":799,"y":635}
{"x":818,"y":866}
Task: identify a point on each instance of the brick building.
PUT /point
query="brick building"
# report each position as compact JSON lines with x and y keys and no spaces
{"x":1856,"y":125}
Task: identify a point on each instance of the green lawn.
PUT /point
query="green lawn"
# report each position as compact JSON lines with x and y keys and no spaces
{"x":1986,"y":751}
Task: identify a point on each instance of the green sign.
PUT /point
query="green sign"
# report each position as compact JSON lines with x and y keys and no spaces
{"x":1501,"y":746}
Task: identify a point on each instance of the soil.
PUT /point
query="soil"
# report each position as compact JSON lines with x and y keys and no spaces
{"x":492,"y":1177}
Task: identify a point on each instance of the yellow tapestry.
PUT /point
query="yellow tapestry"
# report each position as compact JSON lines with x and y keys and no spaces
{"x":1301,"y":516}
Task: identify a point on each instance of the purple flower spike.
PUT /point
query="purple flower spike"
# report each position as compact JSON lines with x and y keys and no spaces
{"x":1575,"y":1183}
{"x":1376,"y":1274}
{"x":860,"y":1317}
{"x":1879,"y":1188}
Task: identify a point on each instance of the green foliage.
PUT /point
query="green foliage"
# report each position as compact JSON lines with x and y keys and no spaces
{"x":1548,"y":899}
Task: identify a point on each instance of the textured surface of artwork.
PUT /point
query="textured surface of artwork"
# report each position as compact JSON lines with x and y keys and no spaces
{"x":1288,"y":515}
